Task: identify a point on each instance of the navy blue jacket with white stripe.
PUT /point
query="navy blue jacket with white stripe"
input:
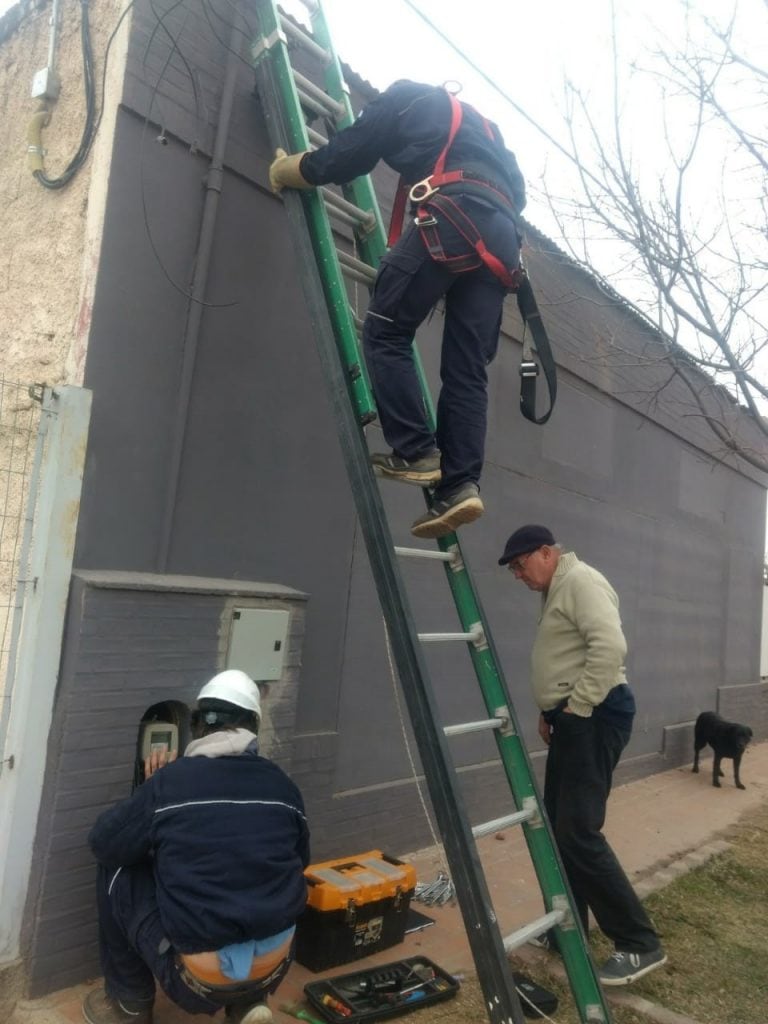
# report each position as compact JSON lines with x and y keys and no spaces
{"x":229,"y":841}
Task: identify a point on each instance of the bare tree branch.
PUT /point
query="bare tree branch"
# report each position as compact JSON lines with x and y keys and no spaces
{"x":702,"y":265}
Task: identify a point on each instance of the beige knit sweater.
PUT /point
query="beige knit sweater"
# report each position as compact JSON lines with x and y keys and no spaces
{"x":579,"y":648}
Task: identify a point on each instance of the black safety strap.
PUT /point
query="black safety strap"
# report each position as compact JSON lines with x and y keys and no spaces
{"x":536,"y":345}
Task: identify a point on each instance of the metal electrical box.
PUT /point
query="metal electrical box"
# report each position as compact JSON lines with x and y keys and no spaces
{"x":258,"y":642}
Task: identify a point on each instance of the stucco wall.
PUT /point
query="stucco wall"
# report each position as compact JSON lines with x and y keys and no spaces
{"x":51,"y":238}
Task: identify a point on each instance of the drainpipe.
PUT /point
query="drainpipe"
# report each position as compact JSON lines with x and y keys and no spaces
{"x":213,"y":184}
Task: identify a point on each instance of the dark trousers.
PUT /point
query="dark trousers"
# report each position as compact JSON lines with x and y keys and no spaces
{"x":583,"y":753}
{"x":408,"y":285}
{"x":134,"y":949}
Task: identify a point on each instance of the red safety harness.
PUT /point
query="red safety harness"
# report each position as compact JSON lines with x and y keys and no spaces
{"x":425,"y":195}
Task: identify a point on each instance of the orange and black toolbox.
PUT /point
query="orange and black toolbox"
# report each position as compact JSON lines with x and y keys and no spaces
{"x":355,"y":906}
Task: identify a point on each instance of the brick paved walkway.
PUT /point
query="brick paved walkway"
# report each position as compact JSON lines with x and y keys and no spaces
{"x":652,"y":824}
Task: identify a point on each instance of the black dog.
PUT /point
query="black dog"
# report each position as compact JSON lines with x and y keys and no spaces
{"x":727,"y":739}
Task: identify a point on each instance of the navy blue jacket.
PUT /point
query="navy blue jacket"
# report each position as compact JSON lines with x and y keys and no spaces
{"x":407,"y":127}
{"x":229,"y":841}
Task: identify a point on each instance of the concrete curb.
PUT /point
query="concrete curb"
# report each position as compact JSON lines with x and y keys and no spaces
{"x":654,"y":1012}
{"x":658,"y":879}
{"x":673,"y":869}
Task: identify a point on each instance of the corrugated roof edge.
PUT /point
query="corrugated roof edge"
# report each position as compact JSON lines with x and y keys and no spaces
{"x":369,"y":92}
{"x":637,"y":314}
{"x":362,"y":85}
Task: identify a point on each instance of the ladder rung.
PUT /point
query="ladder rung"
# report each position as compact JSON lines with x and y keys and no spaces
{"x":303,"y":39}
{"x":534,"y":929}
{"x":312,"y":104}
{"x":348,"y":212}
{"x":442,"y":556}
{"x":355,"y":268}
{"x":316,"y":138}
{"x":487,"y":827}
{"x":465,"y":727}
{"x":435,"y":638}
{"x":323,"y":103}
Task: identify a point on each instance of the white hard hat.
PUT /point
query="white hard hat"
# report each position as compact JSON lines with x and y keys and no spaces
{"x":235,"y":687}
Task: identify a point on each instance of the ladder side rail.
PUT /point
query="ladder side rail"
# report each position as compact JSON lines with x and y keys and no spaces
{"x":360,"y":191}
{"x":474,"y":898}
{"x":518,"y":769}
{"x":475,"y":902}
{"x":462,"y":854}
{"x":286,"y":127}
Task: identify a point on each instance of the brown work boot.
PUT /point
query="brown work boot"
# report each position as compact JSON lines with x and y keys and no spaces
{"x":99,"y":1008}
{"x":446,"y":514}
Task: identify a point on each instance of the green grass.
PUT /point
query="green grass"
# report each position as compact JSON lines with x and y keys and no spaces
{"x":714,"y":926}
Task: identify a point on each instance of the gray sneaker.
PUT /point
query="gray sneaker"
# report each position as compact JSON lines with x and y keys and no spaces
{"x":623,"y":968}
{"x":423,"y":472}
{"x":99,"y":1008}
{"x":446,"y":514}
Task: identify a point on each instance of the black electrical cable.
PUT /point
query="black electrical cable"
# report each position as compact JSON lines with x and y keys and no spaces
{"x":505,"y":96}
{"x":249,"y":34}
{"x":86,"y":140}
{"x":175,"y":48}
{"x":142,"y":151}
{"x":92,"y":121}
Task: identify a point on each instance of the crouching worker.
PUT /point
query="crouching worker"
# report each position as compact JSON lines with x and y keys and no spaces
{"x":201,"y":873}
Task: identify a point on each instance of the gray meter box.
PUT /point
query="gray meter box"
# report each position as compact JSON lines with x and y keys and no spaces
{"x":258,"y":642}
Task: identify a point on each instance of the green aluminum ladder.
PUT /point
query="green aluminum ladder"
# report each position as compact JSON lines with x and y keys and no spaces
{"x":289,"y":99}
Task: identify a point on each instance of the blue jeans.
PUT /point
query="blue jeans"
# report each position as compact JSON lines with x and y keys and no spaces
{"x":408,"y":285}
{"x":135,"y":950}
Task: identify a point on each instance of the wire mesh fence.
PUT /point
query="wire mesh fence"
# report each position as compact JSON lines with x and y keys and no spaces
{"x":19,"y":425}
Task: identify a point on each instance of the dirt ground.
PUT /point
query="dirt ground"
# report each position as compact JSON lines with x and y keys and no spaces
{"x":714,"y":926}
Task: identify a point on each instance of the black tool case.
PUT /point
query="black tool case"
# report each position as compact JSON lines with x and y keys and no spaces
{"x":389,"y":990}
{"x":356,"y":906}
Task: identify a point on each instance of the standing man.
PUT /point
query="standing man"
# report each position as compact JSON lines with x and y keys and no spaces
{"x":463,"y":244}
{"x":587,"y":708}
{"x":201,"y":873}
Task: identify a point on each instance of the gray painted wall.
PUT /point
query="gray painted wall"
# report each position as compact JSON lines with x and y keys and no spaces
{"x":132,"y":641}
{"x":262,"y":495}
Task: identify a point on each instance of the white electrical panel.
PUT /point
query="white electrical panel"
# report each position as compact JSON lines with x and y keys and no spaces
{"x":258,"y":642}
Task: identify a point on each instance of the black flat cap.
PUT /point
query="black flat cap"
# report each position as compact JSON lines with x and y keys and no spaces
{"x":524,"y":540}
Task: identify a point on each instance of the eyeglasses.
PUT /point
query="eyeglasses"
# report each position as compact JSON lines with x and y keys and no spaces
{"x":518,"y":564}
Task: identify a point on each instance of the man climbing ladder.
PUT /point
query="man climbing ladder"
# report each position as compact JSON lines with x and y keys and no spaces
{"x":290,"y":103}
{"x":462,"y":243}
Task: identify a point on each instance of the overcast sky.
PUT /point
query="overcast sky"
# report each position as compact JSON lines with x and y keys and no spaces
{"x":527,"y":50}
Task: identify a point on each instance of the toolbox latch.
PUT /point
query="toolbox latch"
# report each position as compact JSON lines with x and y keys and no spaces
{"x":398,"y":897}
{"x":351,"y":915}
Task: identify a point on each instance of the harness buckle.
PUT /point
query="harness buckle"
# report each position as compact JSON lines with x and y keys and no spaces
{"x":425,"y":222}
{"x":528,"y":368}
{"x":421,"y":190}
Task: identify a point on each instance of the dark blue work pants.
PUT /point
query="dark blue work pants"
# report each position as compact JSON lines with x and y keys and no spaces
{"x":408,"y":285}
{"x":583,"y":753}
{"x":134,"y":949}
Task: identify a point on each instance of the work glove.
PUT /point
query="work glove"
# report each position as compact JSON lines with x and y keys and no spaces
{"x":284,"y":172}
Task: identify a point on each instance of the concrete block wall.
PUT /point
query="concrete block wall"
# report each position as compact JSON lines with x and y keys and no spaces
{"x":132,"y":641}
